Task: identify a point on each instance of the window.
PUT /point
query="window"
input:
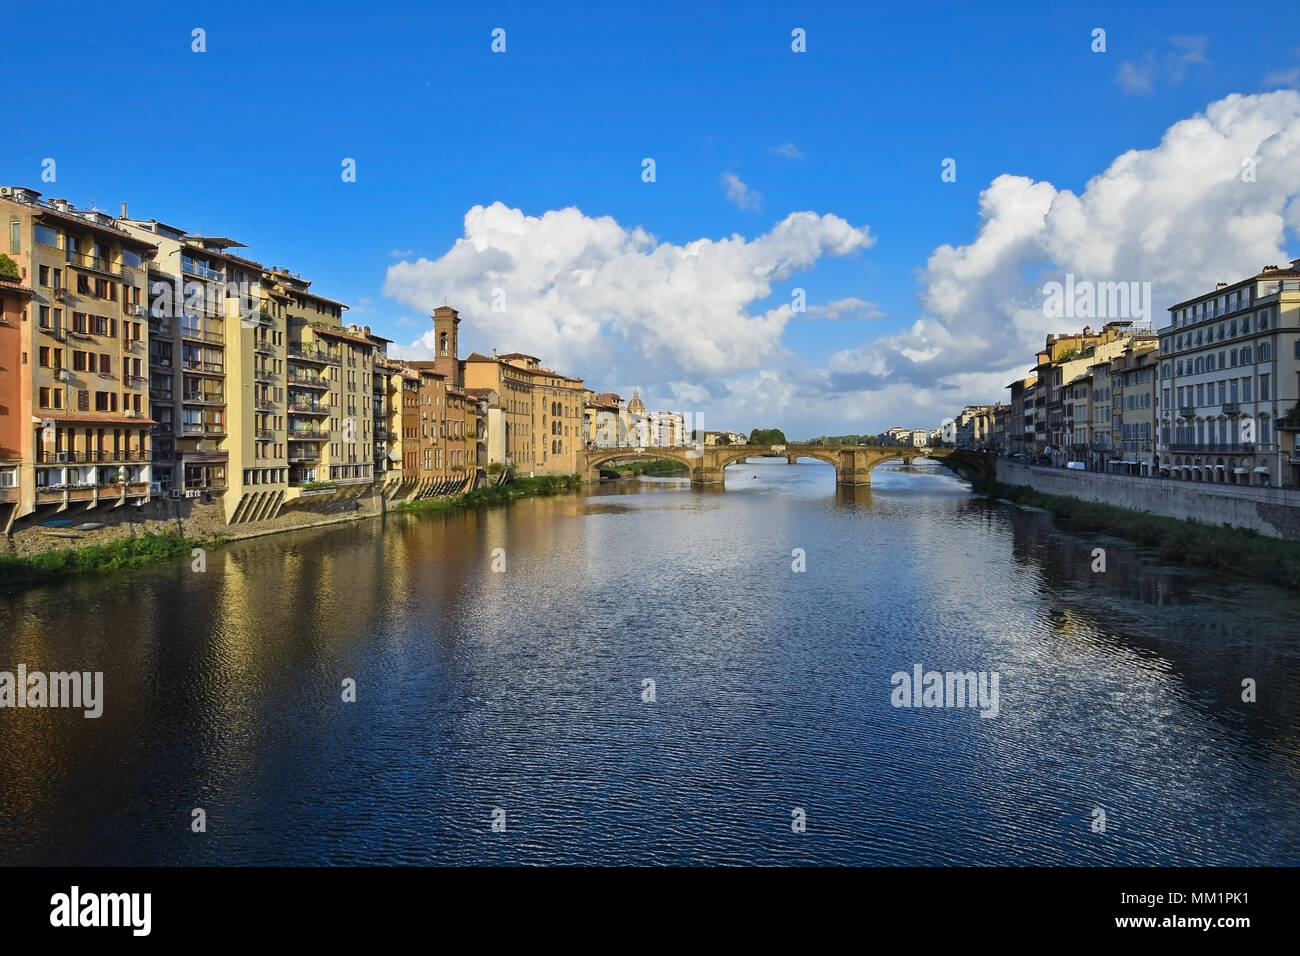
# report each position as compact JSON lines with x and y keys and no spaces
{"x":132,"y":259}
{"x":1263,"y":388}
{"x":16,"y":236}
{"x":46,"y":236}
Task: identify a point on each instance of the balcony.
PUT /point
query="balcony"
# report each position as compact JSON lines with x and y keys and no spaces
{"x":307,"y":381}
{"x":8,"y":493}
{"x":201,"y":335}
{"x":264,"y":405}
{"x":160,"y":327}
{"x":307,"y":434}
{"x":263,"y":348}
{"x":302,"y":454}
{"x":190,"y":267}
{"x":204,"y":398}
{"x":60,"y":294}
{"x":320,"y":356}
{"x":308,"y":407}
{"x":1289,"y":423}
{"x":1186,"y":411}
{"x":263,"y":375}
{"x":1231,"y":408}
{"x":92,"y":263}
{"x":264,"y":434}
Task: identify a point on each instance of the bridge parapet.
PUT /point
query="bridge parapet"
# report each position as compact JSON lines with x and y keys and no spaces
{"x":852,"y":463}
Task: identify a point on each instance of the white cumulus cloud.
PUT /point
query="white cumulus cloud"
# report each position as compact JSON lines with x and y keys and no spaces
{"x":596,"y":299}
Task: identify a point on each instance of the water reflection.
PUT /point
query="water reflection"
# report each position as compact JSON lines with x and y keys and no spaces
{"x":522,"y":688}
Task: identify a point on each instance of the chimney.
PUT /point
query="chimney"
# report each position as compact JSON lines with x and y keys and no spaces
{"x":1221,"y":285}
{"x":123,"y":216}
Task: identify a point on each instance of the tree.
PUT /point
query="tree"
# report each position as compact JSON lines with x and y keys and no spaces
{"x":724,"y":440}
{"x":767,"y":436}
{"x":9,"y":268}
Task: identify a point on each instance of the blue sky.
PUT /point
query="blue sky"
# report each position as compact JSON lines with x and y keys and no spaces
{"x":247,"y":139}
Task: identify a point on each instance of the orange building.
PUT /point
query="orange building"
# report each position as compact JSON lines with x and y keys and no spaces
{"x":76,"y":386}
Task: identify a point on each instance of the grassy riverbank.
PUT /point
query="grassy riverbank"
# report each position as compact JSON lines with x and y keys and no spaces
{"x":659,"y":468}
{"x":26,"y":570}
{"x":1193,"y":543}
{"x":540,"y":487}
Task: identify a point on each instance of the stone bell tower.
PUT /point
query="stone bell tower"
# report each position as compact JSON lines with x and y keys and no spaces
{"x":445,"y":346}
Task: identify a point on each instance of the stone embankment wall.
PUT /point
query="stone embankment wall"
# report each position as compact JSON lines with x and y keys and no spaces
{"x":193,"y":517}
{"x":1271,"y":511}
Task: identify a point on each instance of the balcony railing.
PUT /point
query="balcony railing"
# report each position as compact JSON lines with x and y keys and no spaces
{"x":203,"y":272}
{"x":308,"y":434}
{"x":313,"y":355}
{"x":93,"y":263}
{"x":1230,"y":408}
{"x":264,"y":404}
{"x":307,"y":381}
{"x":311,"y":408}
{"x":205,"y":398}
{"x":1186,"y":411}
{"x":265,"y":435}
{"x":92,"y":457}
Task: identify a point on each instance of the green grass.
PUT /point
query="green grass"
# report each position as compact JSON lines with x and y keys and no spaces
{"x":27,"y":570}
{"x":539,"y":487}
{"x":1236,"y":551}
{"x":658,"y":467}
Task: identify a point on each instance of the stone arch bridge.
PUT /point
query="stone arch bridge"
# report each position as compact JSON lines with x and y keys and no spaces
{"x":852,"y":463}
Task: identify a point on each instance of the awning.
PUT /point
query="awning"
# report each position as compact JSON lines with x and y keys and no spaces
{"x":1218,"y":468}
{"x":1261,"y":470}
{"x":1240,"y":471}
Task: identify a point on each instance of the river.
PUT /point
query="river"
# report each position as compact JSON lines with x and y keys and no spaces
{"x":520,"y":695}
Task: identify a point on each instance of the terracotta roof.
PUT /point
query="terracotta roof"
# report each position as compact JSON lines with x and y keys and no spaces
{"x":340,"y":334}
{"x":479,"y":392}
{"x":117,"y":232}
{"x":15,"y":285}
{"x":514,"y":355}
{"x":478,"y":357}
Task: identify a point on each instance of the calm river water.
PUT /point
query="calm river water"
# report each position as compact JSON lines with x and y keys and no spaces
{"x":522,"y":690}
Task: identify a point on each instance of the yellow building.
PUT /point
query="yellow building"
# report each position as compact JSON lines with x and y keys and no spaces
{"x":76,"y":401}
{"x":543,"y":411}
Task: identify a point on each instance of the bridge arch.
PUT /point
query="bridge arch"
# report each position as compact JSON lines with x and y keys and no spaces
{"x":852,"y":463}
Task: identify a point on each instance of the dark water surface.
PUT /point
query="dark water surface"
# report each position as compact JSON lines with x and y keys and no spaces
{"x":522,"y":690}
